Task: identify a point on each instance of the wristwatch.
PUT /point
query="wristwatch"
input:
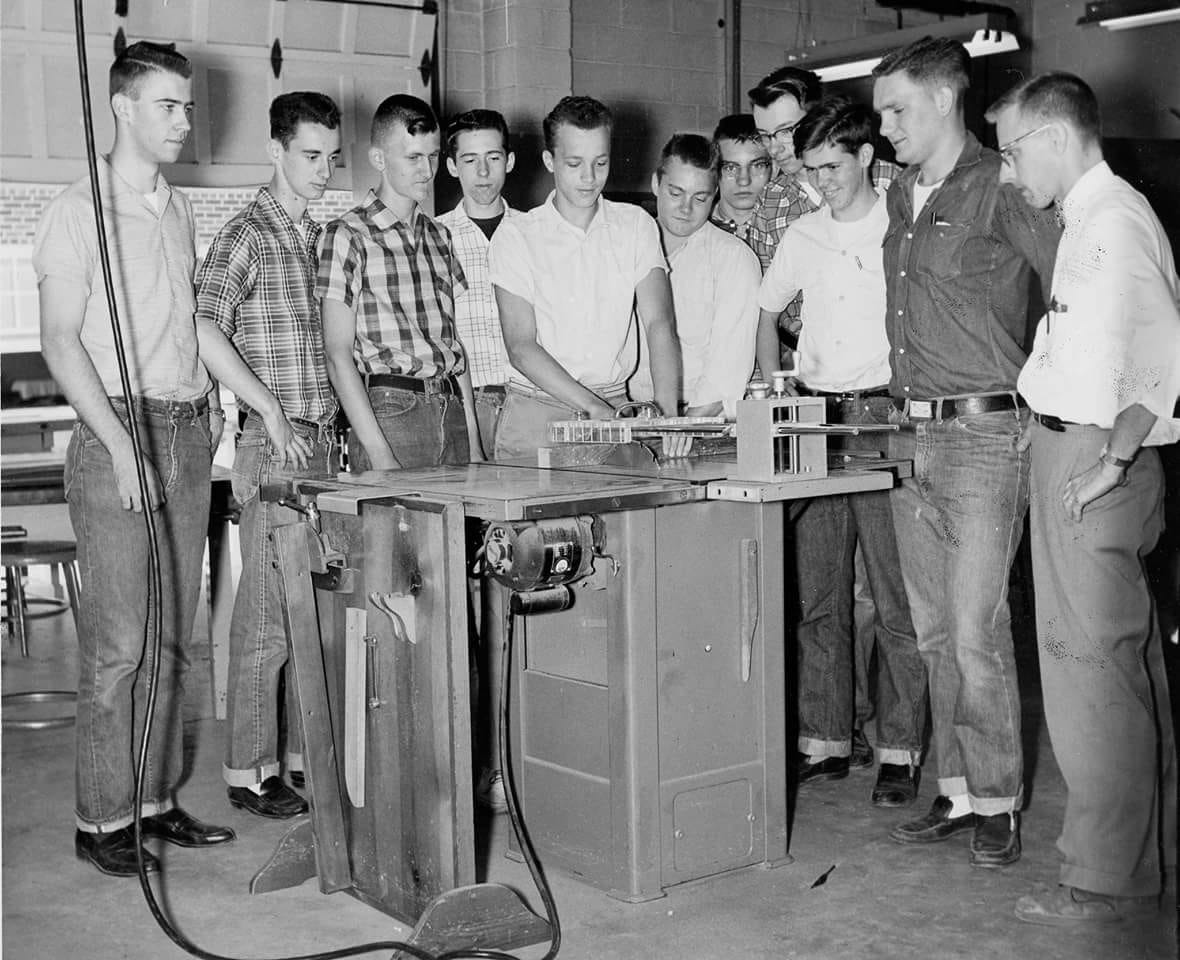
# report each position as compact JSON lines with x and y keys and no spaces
{"x":1112,"y":461}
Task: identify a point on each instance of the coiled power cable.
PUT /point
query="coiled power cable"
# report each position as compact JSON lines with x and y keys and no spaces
{"x":154,"y":628}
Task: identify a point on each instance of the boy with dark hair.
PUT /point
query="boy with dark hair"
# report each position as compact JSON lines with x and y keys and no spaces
{"x":745,"y":167}
{"x":256,"y":287}
{"x":479,"y":157}
{"x":714,"y":279}
{"x":388,"y":280}
{"x":834,"y":255}
{"x":568,"y":276}
{"x":150,"y":239}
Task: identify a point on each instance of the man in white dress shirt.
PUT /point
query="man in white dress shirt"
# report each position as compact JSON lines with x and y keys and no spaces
{"x":1102,"y":381}
{"x":833,"y":255}
{"x":715,"y":279}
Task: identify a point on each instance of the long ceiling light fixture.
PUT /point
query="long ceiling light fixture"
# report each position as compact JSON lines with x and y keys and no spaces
{"x":983,"y":35}
{"x":1125,"y":14}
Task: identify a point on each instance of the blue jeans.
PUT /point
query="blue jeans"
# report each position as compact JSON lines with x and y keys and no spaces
{"x":487,"y":413}
{"x":423,"y":430}
{"x":258,"y":645}
{"x":826,"y":534}
{"x":958,"y":522}
{"x":114,"y":632}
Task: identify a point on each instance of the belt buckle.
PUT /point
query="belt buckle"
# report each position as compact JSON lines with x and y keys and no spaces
{"x":922,"y":409}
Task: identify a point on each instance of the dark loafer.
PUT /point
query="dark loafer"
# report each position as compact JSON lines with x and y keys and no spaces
{"x":276,"y":802}
{"x":113,"y":853}
{"x":897,"y":785}
{"x":862,"y":750}
{"x":829,"y":768}
{"x":935,"y":826}
{"x":997,"y":840}
{"x":184,"y":830}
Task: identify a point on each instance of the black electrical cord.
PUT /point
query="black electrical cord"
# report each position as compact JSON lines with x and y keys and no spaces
{"x":154,"y":623}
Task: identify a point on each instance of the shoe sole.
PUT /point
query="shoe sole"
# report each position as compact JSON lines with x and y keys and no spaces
{"x":188,"y":845}
{"x":890,"y":802}
{"x":817,"y":777}
{"x":241,"y":805}
{"x":149,"y":866}
{"x":994,"y":864}
{"x":923,"y":839}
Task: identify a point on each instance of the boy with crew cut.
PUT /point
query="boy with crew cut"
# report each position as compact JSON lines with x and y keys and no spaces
{"x":479,"y":157}
{"x":257,"y":287}
{"x":387,"y":283}
{"x":150,"y":237}
{"x":569,"y":276}
{"x":745,"y":168}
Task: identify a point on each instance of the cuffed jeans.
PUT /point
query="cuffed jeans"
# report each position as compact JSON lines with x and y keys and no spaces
{"x":258,"y":644}
{"x":422,"y":430}
{"x":958,"y":521}
{"x":826,"y":533}
{"x":115,"y":619}
{"x":1102,"y":671}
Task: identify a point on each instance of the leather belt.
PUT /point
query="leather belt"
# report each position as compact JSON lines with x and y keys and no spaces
{"x":846,"y":395}
{"x":1056,"y":424}
{"x":430,"y":385}
{"x":946,"y":408}
{"x":494,"y":389}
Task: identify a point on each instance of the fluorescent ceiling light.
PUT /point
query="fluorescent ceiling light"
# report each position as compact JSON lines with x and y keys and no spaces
{"x":1127,"y":14}
{"x":982,"y":35}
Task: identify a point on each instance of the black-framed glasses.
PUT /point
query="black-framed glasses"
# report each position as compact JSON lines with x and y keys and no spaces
{"x":784,"y":135}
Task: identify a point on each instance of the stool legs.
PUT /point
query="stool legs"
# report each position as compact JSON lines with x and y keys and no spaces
{"x":15,"y":597}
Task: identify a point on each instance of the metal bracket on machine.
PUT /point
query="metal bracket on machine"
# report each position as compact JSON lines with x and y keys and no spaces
{"x":399,"y":608}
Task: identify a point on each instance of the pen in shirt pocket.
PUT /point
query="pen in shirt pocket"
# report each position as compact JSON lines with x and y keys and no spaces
{"x":936,"y":221}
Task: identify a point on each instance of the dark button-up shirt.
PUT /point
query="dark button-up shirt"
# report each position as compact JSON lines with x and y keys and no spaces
{"x":957,"y":279}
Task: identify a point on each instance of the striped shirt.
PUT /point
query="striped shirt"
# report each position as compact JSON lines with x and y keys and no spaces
{"x":257,"y":284}
{"x":477,"y":318}
{"x":402,"y":280}
{"x":784,"y":200}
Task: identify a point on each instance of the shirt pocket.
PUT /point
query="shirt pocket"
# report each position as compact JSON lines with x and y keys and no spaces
{"x":942,"y":250}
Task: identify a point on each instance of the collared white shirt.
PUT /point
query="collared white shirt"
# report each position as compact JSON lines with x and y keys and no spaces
{"x":477,"y":318}
{"x":1111,"y":336}
{"x":715,"y":279}
{"x":838,"y":266}
{"x":581,"y":284}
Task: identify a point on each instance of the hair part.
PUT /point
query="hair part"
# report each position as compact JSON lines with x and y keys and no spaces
{"x":288,"y":110}
{"x":738,"y":127}
{"x":837,"y":121}
{"x":1054,"y":96}
{"x":473,"y":120}
{"x":402,"y":108}
{"x":691,"y":149}
{"x":795,"y":82}
{"x":585,"y":113}
{"x":931,"y":61}
{"x":141,"y":59}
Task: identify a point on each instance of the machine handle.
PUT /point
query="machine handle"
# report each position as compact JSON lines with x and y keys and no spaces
{"x":748,"y":600}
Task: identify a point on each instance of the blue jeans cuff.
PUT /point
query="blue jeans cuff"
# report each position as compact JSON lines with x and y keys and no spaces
{"x":152,"y":809}
{"x":249,"y":778}
{"x":825,"y":748}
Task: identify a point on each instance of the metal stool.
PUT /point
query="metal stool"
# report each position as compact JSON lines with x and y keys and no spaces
{"x":17,"y":554}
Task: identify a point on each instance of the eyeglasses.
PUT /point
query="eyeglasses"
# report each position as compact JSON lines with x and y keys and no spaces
{"x":731,"y":170}
{"x":783,"y":135}
{"x":1007,"y":154}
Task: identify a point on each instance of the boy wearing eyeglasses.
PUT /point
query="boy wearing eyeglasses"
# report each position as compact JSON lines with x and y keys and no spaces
{"x":745,"y":167}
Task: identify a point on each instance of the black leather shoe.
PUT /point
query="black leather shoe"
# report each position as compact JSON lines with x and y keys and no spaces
{"x":277,"y":801}
{"x":997,"y":840}
{"x":184,"y":830}
{"x":862,"y":750}
{"x":897,"y":785}
{"x":829,"y":768}
{"x":935,"y":826}
{"x":113,"y":853}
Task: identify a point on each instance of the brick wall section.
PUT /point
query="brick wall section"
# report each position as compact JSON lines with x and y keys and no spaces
{"x":21,"y":205}
{"x":660,"y":63}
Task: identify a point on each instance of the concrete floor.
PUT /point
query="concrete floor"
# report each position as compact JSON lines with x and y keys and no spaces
{"x":882,"y":901}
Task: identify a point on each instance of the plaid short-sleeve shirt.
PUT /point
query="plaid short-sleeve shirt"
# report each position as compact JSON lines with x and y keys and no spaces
{"x":401,"y":279}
